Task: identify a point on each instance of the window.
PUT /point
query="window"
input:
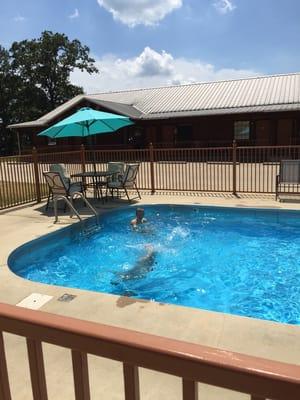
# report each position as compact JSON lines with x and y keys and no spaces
{"x":242,"y":130}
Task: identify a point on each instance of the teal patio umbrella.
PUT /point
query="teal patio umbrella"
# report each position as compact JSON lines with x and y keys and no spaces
{"x":86,"y":122}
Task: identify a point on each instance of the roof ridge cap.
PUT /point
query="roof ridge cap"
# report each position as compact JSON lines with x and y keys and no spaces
{"x":195,"y":83}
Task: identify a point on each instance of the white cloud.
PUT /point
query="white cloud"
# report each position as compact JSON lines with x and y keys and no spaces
{"x":140,"y":12}
{"x":149,"y":63}
{"x":75,"y":14}
{"x":224,"y":6}
{"x":19,"y":18}
{"x":150,"y":69}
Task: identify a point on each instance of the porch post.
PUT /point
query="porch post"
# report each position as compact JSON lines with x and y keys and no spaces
{"x":36,"y":175}
{"x":234,"y":168}
{"x":19,"y":143}
{"x":151,"y":158}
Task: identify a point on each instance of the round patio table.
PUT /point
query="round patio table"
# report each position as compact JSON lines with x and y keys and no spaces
{"x":97,"y":179}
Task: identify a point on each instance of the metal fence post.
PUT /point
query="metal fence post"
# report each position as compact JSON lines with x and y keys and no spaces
{"x":234,"y":168}
{"x":151,"y":157}
{"x":36,"y":174}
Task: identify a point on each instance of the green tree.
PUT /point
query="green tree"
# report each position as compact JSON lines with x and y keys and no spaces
{"x":35,"y":77}
{"x":4,"y":84}
{"x":45,"y":65}
{"x":7,"y":86}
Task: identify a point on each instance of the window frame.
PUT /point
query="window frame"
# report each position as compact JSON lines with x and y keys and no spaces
{"x":241,"y":137}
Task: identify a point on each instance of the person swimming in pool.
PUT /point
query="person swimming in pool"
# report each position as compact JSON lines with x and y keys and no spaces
{"x":143,"y":265}
{"x":139,"y":218}
{"x":140,"y":223}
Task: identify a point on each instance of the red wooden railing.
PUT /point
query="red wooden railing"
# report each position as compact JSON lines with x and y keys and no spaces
{"x":261,"y":379}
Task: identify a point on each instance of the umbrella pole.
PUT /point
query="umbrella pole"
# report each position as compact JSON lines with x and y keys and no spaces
{"x":92,"y":143}
{"x":94,"y":154}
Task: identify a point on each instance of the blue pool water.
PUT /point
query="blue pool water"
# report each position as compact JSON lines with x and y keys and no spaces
{"x":237,"y":261}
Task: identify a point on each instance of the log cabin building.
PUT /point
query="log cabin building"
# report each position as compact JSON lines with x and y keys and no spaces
{"x":259,"y":111}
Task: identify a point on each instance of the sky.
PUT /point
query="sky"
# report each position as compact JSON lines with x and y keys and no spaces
{"x":146,"y":43}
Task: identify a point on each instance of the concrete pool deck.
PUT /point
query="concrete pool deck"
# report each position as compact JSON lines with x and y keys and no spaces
{"x":245,"y":335}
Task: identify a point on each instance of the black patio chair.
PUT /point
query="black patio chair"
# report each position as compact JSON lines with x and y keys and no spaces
{"x":58,"y":186}
{"x":126,"y":181}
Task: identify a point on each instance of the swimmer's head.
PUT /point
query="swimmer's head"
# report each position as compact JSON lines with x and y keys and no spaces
{"x":149,"y":246}
{"x":139,"y":214}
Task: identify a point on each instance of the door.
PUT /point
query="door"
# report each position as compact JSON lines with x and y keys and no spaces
{"x":285,"y":132}
{"x":263,"y":133}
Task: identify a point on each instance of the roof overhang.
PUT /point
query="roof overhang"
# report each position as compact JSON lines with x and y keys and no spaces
{"x":29,"y":124}
{"x":49,"y":118}
{"x":135,"y":114}
{"x":118,"y":108}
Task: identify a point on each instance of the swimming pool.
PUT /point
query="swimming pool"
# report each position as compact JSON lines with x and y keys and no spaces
{"x":232,"y":260}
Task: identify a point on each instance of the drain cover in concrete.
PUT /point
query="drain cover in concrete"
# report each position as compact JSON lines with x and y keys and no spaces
{"x":34,"y":301}
{"x":66,"y":297}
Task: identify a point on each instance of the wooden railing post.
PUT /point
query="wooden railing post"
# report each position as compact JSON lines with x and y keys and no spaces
{"x":4,"y":382}
{"x":81,"y":375}
{"x":189,"y":390}
{"x":151,"y":157}
{"x":234,"y":168}
{"x":131,"y":382}
{"x":37,"y":369}
{"x":36,"y":175}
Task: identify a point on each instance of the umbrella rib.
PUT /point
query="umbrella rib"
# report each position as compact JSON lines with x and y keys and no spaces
{"x":94,"y":120}
{"x":114,"y":130}
{"x":57,"y":133}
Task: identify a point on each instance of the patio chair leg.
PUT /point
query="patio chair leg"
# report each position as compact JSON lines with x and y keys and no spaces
{"x":101,"y":194}
{"x":83,"y":192}
{"x":137,"y":191}
{"x":127,"y":194}
{"x":55,"y":209}
{"x":84,"y":195}
{"x":48,"y":201}
{"x":72,"y":201}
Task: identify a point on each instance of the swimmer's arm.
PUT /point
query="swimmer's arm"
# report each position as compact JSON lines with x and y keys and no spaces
{"x":133,"y":224}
